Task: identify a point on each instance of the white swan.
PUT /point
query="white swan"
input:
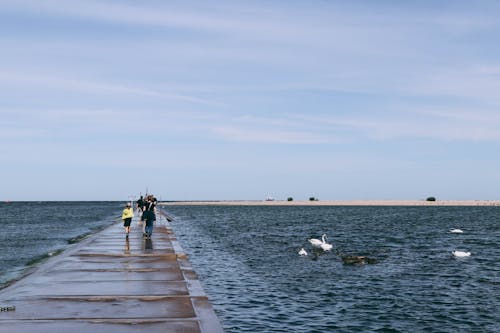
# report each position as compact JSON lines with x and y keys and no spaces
{"x":316,"y":242}
{"x":303,"y":252}
{"x":326,"y":247}
{"x":461,"y":254}
{"x":456,"y":231}
{"x":321,"y":244}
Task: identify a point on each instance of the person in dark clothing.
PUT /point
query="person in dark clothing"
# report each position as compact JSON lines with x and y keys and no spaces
{"x":149,"y":216}
{"x":140,"y":205}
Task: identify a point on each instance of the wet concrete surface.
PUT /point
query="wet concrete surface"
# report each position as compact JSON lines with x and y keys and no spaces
{"x":109,"y":284}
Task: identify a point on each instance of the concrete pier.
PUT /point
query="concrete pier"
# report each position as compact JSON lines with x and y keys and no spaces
{"x":109,"y":284}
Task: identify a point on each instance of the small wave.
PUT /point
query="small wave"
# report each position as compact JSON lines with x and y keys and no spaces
{"x":28,"y":268}
{"x":43,"y":257}
{"x":92,"y":231}
{"x":79,"y":238}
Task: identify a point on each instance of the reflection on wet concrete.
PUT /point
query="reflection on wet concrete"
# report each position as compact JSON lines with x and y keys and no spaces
{"x":148,"y":244}
{"x":127,"y":246}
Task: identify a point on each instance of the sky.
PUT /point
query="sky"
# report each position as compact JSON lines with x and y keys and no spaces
{"x":222,"y":100}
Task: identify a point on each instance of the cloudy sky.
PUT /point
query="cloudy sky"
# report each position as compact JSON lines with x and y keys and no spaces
{"x":101,"y":100}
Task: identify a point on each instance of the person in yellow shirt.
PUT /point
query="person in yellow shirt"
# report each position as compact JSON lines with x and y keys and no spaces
{"x":127,"y":215}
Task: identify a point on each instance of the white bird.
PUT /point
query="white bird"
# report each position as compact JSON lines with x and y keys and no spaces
{"x":316,"y":242}
{"x":326,"y":247}
{"x":303,"y":252}
{"x":456,"y":231}
{"x":321,"y":244}
{"x":461,"y":254}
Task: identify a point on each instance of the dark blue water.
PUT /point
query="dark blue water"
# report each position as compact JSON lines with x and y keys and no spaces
{"x":31,"y":231}
{"x":247,"y":261}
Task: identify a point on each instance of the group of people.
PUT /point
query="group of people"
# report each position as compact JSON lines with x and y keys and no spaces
{"x":147,"y":208}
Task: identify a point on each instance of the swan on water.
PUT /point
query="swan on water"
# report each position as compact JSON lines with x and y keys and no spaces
{"x":456,"y":231}
{"x":321,"y":244}
{"x":303,"y":252}
{"x":461,"y":253}
{"x":316,"y":242}
{"x":326,"y":247}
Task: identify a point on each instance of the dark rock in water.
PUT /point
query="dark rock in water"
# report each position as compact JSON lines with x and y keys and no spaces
{"x":358,"y":260}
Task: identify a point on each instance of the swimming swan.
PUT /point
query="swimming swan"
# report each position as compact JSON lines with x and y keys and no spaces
{"x":303,"y":252}
{"x":456,"y":231}
{"x":316,"y":242}
{"x":321,"y":244}
{"x":461,"y":254}
{"x":326,"y":247}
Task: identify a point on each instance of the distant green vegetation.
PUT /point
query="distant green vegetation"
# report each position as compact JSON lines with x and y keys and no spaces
{"x":289,"y":199}
{"x":313,"y":199}
{"x":430,"y":199}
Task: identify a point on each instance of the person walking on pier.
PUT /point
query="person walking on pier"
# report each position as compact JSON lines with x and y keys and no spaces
{"x":140,"y":205}
{"x":127,"y":215}
{"x":150,"y":216}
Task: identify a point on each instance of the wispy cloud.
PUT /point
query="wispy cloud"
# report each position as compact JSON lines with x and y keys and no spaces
{"x":308,"y":49}
{"x":480,"y":83}
{"x":206,"y":21}
{"x":91,"y":82}
{"x":411,"y":124}
{"x":406,"y":124}
{"x":94,"y":87}
{"x":269,"y":136}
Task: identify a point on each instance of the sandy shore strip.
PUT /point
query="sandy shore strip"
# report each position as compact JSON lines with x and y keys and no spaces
{"x":335,"y":203}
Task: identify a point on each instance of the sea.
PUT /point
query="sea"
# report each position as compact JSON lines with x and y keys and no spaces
{"x":247,"y":260}
{"x":30,"y":232}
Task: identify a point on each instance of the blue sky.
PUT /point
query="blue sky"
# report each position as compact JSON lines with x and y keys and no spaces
{"x":340,"y":100}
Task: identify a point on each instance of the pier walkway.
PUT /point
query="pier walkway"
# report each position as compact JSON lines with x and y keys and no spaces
{"x":108,"y":284}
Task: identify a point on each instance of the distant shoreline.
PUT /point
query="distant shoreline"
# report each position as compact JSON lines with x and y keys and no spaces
{"x":335,"y":203}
